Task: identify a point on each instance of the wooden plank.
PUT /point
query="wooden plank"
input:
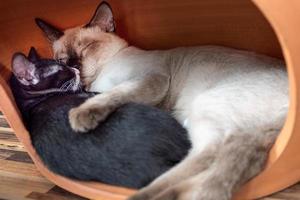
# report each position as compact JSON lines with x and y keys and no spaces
{"x":54,"y":196}
{"x":14,"y":146}
{"x":286,"y":195}
{"x":42,"y":196}
{"x":6,"y":130}
{"x":19,"y":156}
{"x":5,"y":154}
{"x":14,"y":169}
{"x":17,"y":188}
{"x":9,"y":141}
{"x":3,"y":122}
{"x":61,"y":192}
{"x":12,"y":196}
{"x":9,"y":136}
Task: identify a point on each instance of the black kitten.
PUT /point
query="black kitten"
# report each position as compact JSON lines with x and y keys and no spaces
{"x":133,"y":146}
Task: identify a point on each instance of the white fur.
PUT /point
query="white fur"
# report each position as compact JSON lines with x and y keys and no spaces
{"x":129,"y":63}
{"x":52,"y":70}
{"x":217,"y":90}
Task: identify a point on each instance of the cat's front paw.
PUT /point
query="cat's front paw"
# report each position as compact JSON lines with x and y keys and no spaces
{"x":85,"y":118}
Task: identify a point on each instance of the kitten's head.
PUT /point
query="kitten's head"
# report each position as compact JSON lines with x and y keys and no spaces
{"x":43,"y":76}
{"x":86,"y":47}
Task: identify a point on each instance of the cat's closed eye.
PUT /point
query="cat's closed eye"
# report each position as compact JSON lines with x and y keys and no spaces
{"x":84,"y":47}
{"x":90,"y":48}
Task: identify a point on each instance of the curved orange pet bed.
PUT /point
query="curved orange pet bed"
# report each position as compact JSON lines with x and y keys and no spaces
{"x":161,"y":24}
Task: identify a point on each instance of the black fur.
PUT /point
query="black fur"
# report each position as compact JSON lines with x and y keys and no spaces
{"x":133,"y":146}
{"x":73,"y":60}
{"x":136,"y":143}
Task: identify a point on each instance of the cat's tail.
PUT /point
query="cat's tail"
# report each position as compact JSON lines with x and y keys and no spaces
{"x":242,"y":157}
{"x":216,"y":173}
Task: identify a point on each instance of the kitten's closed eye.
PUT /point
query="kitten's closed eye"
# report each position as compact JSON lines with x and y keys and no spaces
{"x":62,"y":60}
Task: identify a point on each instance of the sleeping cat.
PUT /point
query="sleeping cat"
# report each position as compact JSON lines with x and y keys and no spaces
{"x":115,"y":152}
{"x":233,"y":102}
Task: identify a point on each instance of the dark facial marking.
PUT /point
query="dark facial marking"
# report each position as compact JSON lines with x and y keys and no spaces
{"x":73,"y":59}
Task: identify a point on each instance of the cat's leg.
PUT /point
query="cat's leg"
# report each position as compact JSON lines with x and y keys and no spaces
{"x":198,"y":160}
{"x":241,"y":157}
{"x":150,"y":89}
{"x":227,"y":119}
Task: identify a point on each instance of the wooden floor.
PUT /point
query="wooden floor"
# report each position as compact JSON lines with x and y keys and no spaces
{"x":20,"y":180}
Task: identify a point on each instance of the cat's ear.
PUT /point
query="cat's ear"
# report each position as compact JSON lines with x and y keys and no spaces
{"x":103,"y":18}
{"x":24,"y":70}
{"x":33,"y":56}
{"x":50,"y":31}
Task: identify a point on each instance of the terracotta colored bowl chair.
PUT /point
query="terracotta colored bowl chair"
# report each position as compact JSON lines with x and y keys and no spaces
{"x":266,"y":26}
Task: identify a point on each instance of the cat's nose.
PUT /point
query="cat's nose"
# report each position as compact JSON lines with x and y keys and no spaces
{"x":87,"y":87}
{"x":73,"y":62}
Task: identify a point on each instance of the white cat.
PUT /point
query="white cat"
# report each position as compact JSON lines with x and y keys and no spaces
{"x":232,"y":102}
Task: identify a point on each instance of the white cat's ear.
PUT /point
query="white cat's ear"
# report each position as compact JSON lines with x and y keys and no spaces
{"x":24,"y":70}
{"x":103,"y":18}
{"x":33,"y":56}
{"x":50,"y":31}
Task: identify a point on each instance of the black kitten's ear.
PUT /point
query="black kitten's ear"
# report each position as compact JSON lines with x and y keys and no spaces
{"x":24,"y":70}
{"x":50,"y":31}
{"x":103,"y":18}
{"x":33,"y":56}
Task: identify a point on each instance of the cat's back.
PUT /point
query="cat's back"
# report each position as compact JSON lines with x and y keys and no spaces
{"x":204,"y":67}
{"x":224,"y":73}
{"x":217,"y":57}
{"x":116,"y":151}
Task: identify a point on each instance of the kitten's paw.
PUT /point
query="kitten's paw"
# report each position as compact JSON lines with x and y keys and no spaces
{"x":85,"y":118}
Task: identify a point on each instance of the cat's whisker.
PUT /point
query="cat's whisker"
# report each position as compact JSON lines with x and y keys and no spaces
{"x":69,"y":86}
{"x":64,"y":85}
{"x":76,"y":82}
